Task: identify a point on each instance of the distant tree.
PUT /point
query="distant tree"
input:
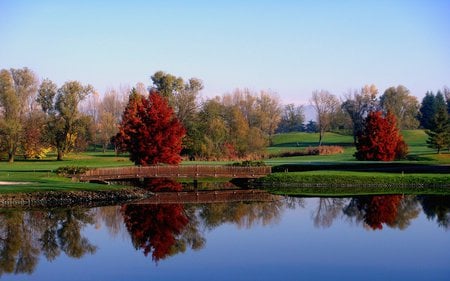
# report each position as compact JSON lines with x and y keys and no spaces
{"x":17,"y":88}
{"x":311,"y":127}
{"x":292,"y":119}
{"x":167,"y":85}
{"x":447,"y":98}
{"x":439,"y":134}
{"x":150,"y":131}
{"x":427,"y":110}
{"x":403,"y":105}
{"x":380,"y":140}
{"x":358,"y":105}
{"x":267,"y":113}
{"x":325,"y":104}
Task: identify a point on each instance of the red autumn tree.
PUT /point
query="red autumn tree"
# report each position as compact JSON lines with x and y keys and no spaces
{"x":149,"y":131}
{"x":380,"y":140}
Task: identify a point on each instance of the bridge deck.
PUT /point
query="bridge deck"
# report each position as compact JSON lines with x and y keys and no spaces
{"x":182,"y":171}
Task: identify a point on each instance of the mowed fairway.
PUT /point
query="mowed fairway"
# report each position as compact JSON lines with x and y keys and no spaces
{"x":416,"y":140}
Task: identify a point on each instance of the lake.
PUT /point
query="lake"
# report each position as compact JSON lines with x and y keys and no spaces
{"x":392,"y":237}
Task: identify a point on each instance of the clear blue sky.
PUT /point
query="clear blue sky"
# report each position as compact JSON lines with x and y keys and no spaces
{"x":291,"y":47}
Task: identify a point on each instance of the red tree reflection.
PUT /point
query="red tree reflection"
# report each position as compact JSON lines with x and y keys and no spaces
{"x":154,"y":228}
{"x":382,"y":209}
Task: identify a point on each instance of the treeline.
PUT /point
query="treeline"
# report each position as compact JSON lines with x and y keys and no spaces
{"x":39,"y":116}
{"x":349,"y":113}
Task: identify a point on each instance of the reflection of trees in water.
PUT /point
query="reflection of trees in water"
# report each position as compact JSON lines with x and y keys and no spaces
{"x":395,"y":211}
{"x":328,"y":209}
{"x":240,"y":213}
{"x":154,"y":228}
{"x":167,"y":229}
{"x":437,"y":207}
{"x":24,"y":235}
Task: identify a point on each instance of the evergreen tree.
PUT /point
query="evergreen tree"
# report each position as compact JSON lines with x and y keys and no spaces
{"x":427,"y":110}
{"x":439,"y":133}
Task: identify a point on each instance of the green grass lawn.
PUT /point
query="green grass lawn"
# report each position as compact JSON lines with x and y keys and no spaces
{"x":416,"y":140}
{"x":41,"y":176}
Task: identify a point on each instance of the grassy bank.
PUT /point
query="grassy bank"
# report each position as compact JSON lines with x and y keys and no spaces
{"x":347,"y":182}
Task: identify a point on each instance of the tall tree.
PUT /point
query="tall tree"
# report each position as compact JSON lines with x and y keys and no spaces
{"x":439,"y":133}
{"x":63,"y":118}
{"x":358,"y":105}
{"x":268,"y":113}
{"x":403,"y":105}
{"x":380,"y":140}
{"x":427,"y":110}
{"x":292,"y":119}
{"x":167,"y":85}
{"x":325,"y":104}
{"x":182,"y":96}
{"x":17,"y":88}
{"x":150,"y":131}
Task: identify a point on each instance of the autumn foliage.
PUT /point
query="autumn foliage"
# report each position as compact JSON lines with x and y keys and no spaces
{"x":380,"y":139}
{"x":149,"y":131}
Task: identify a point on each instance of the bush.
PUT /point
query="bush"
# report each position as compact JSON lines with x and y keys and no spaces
{"x":401,"y":150}
{"x":321,"y":150}
{"x":249,"y":164}
{"x":326,"y":150}
{"x":71,"y":170}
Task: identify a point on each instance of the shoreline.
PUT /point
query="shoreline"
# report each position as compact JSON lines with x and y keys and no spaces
{"x":51,"y":199}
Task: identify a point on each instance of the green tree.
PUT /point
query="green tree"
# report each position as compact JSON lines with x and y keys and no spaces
{"x":403,"y":105}
{"x":64,"y":121}
{"x":182,"y":96}
{"x":17,"y":87}
{"x":358,"y":105}
{"x":427,"y":110}
{"x":292,"y":119}
{"x":439,"y":133}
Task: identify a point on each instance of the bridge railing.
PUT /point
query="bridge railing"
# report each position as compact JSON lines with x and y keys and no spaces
{"x":194,"y":171}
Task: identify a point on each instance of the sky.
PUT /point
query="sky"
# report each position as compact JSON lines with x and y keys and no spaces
{"x":288,"y":47}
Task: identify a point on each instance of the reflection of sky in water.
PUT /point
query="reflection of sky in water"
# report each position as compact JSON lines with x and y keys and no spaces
{"x":290,"y":248}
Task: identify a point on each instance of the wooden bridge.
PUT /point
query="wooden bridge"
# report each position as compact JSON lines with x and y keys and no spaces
{"x":203,"y":197}
{"x":182,"y":171}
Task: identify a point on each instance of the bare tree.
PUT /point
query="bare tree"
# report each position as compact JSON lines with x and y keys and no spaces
{"x":325,"y":104}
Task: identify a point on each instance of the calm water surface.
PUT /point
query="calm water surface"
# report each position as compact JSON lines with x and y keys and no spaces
{"x":359,"y":238}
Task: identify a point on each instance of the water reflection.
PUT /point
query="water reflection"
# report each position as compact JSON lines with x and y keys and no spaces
{"x":24,"y":235}
{"x":163,"y":230}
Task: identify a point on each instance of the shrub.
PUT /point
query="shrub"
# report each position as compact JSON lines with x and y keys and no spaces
{"x":321,"y":150}
{"x":248,"y":163}
{"x":71,"y":170}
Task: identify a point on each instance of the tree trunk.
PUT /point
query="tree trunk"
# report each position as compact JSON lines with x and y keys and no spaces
{"x":60,"y":155}
{"x":10,"y":157}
